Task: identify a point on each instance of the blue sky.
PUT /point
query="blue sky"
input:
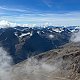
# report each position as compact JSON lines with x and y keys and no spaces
{"x":53,"y":12}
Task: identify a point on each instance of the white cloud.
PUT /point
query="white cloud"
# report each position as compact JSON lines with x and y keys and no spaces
{"x":12,"y":9}
{"x":34,"y":69}
{"x":51,"y":36}
{"x":5,"y":24}
{"x":49,"y":3}
{"x":55,"y":19}
{"x":5,"y":65}
{"x":65,"y":19}
{"x":75,"y":37}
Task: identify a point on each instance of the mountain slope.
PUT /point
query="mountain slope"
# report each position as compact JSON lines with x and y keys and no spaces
{"x":57,"y":64}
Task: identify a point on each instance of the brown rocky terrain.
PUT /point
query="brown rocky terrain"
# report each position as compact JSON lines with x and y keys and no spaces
{"x":57,"y":64}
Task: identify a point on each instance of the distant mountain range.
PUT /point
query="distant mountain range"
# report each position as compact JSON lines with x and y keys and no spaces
{"x":23,"y":42}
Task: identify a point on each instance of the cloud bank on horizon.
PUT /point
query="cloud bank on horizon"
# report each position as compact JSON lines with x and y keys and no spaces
{"x":53,"y":12}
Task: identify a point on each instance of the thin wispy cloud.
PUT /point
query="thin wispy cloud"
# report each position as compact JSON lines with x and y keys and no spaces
{"x":13,"y":9}
{"x":49,"y":3}
{"x":65,"y":19}
{"x":28,"y":16}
